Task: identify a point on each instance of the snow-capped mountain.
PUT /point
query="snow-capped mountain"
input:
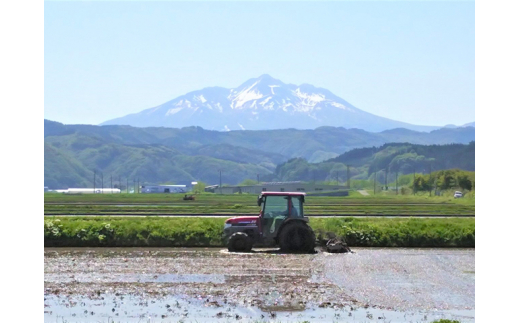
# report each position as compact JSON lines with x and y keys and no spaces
{"x":258,"y":104}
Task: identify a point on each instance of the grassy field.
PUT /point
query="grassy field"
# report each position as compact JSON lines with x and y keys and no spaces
{"x":206,"y":232}
{"x":171,"y":204}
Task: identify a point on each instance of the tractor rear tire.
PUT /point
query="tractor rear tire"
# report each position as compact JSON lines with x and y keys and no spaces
{"x":297,"y":237}
{"x":240,"y":242}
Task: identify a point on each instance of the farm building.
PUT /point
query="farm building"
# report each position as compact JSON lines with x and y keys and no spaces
{"x":211,"y":188}
{"x":164,"y":189}
{"x":296,"y":186}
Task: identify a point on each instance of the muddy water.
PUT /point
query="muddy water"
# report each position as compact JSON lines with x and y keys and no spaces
{"x":207,"y":285}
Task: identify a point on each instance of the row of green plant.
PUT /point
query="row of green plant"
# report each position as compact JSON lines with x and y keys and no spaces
{"x":206,"y":232}
{"x":398,"y":232}
{"x":419,"y":209}
{"x":245,"y":199}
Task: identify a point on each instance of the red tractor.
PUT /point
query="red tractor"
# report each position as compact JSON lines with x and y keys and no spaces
{"x":280,"y":223}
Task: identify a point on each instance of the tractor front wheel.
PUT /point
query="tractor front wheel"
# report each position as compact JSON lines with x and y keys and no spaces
{"x":240,"y":242}
{"x":297,"y":237}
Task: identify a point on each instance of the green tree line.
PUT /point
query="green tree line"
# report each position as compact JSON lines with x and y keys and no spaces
{"x":444,"y":179}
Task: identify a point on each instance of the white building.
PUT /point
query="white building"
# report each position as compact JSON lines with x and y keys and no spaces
{"x":90,"y":191}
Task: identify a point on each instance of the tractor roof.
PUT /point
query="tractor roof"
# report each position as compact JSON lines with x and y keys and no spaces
{"x":284,"y":193}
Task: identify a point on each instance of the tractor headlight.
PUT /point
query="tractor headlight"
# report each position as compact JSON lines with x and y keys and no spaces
{"x":227,"y":225}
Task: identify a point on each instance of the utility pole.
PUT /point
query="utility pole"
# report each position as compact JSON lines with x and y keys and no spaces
{"x":134,"y":185}
{"x":127,"y":185}
{"x":220,"y":183}
{"x":348,"y":176}
{"x":258,"y":178}
{"x":94,"y":181}
{"x":102,"y":185}
{"x":111,"y":186}
{"x":430,"y":180}
{"x":386,"y":178}
{"x":413,"y":186}
{"x":119,"y":184}
{"x":414,"y":169}
{"x":137,"y":185}
{"x":396,"y":190}
{"x":435,"y":182}
{"x":375,"y":175}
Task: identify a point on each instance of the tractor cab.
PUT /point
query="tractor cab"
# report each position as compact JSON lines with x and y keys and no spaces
{"x":276,"y":209}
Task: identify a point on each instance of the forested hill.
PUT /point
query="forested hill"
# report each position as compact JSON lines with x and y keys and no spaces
{"x":404,"y":158}
{"x":160,"y":155}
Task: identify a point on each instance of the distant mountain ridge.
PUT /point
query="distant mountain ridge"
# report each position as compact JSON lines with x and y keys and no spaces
{"x":469,"y":124}
{"x":288,"y":143}
{"x":262,"y":103}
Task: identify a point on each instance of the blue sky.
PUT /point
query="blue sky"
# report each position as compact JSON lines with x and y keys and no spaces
{"x":412,"y":61}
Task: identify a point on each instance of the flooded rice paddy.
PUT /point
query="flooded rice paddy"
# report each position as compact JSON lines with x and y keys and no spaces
{"x":212,"y":285}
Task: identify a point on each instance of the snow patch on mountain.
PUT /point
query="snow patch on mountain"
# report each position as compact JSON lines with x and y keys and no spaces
{"x":173,"y":111}
{"x":265,"y":101}
{"x":341,"y":106}
{"x":200,"y":98}
{"x":240,"y":98}
{"x":309,"y":98}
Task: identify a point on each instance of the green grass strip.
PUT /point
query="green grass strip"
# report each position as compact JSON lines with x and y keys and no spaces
{"x":206,"y":232}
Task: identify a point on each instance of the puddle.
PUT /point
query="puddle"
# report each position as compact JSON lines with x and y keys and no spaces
{"x":151,"y":205}
{"x":213,"y":285}
{"x":135,"y":308}
{"x":137,"y":278}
